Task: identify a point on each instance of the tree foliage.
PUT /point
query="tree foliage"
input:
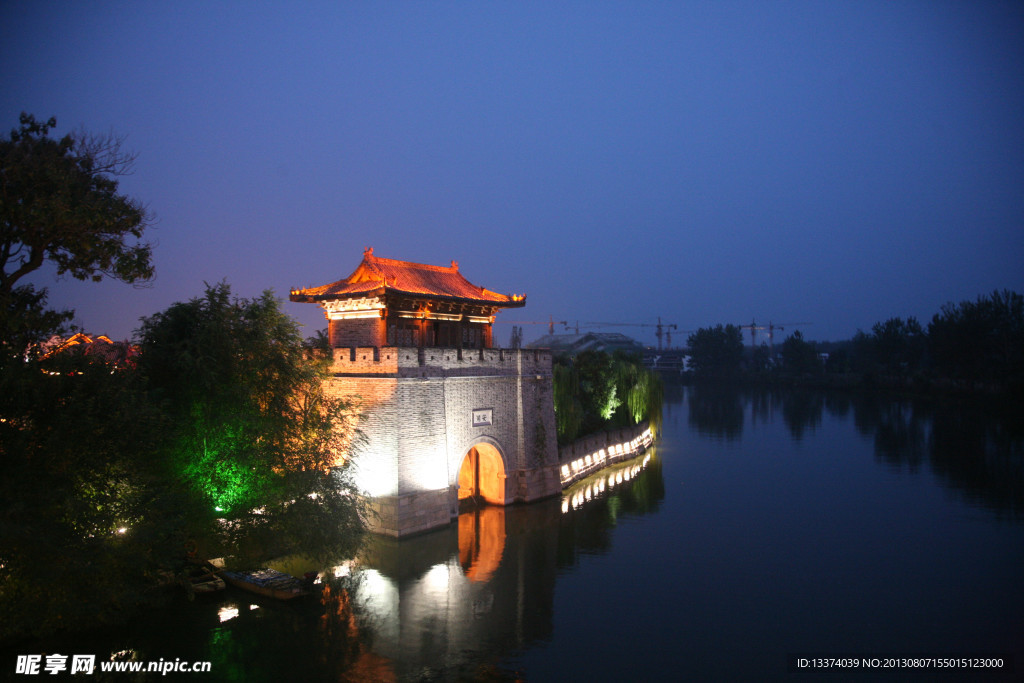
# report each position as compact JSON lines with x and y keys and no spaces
{"x":595,"y":390}
{"x":60,"y":203}
{"x":716,"y":351}
{"x":799,"y":355}
{"x":981,"y":340}
{"x":254,"y":435}
{"x":80,"y":447}
{"x":110,"y":471}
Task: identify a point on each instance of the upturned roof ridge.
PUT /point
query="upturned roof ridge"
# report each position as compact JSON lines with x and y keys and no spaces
{"x":370,"y":258}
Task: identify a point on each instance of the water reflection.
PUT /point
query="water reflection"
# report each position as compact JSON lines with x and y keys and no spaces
{"x":481,"y":542}
{"x":455,"y":602}
{"x":974,"y":448}
{"x":727,"y":560}
{"x":716,"y":411}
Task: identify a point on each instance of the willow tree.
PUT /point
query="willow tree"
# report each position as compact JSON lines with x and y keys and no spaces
{"x":255,"y":437}
{"x":596,"y":390}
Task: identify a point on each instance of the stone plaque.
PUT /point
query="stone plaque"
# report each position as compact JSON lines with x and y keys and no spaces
{"x":482,"y":417}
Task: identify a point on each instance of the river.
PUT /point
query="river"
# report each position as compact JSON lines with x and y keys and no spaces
{"x":764,"y":527}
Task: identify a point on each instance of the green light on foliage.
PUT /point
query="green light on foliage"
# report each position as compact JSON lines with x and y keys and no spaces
{"x":216,"y":468}
{"x":610,"y":405}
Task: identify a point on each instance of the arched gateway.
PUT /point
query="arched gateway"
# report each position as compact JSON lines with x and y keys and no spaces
{"x":447,"y":415}
{"x":482,"y":475}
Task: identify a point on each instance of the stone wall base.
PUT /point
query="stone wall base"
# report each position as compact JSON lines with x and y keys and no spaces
{"x":411,"y":513}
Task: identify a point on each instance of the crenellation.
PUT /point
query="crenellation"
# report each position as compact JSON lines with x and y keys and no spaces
{"x":444,"y":415}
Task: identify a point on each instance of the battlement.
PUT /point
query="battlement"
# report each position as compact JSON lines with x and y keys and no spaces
{"x":411,"y":361}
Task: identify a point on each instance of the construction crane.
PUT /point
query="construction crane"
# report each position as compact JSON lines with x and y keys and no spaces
{"x":550,"y":322}
{"x":663,"y":329}
{"x":771,"y":327}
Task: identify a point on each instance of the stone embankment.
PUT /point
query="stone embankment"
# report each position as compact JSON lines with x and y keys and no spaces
{"x":594,"y":452}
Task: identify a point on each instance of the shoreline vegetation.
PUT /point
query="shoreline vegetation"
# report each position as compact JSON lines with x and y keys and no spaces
{"x":595,"y":391}
{"x":207,"y":436}
{"x":974,"y":349}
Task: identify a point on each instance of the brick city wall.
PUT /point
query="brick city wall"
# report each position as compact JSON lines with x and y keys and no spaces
{"x":418,"y":426}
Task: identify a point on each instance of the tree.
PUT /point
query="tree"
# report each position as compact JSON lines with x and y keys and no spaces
{"x":716,"y":350}
{"x":899,"y":345}
{"x":799,"y":355}
{"x":596,"y":390}
{"x":88,"y":511}
{"x":59,"y":202}
{"x":980,"y":341}
{"x":255,"y":437}
{"x":596,"y":375}
{"x":77,"y":438}
{"x":568,"y":407}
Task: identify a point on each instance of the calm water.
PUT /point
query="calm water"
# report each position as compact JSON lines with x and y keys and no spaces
{"x":763,"y":524}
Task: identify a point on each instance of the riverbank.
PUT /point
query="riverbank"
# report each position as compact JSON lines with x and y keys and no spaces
{"x":594,"y":452}
{"x":896,"y":386}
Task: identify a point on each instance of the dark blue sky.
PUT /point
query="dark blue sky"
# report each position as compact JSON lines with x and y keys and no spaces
{"x":837,"y":163}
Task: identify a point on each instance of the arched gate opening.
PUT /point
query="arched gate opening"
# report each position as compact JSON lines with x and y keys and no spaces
{"x":482,"y":476}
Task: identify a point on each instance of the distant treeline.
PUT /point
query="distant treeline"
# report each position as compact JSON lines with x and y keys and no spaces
{"x":594,"y":390}
{"x":974,"y":346}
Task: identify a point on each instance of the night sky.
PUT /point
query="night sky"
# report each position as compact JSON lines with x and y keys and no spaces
{"x":835,"y":163}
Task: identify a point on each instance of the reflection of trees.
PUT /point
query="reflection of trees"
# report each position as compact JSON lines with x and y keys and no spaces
{"x":762,"y":406}
{"x":975,"y":451}
{"x":716,"y":411}
{"x":838,"y":403}
{"x":899,"y":429}
{"x":981,"y":456}
{"x":587,"y":530}
{"x":901,"y":436}
{"x":801,"y":410}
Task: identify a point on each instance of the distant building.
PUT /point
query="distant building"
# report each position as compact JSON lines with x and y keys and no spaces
{"x":590,"y":341}
{"x":448,"y":417}
{"x":117,"y":354}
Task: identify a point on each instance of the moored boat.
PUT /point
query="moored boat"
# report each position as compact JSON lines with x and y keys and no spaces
{"x":204,"y":579}
{"x":267,"y":582}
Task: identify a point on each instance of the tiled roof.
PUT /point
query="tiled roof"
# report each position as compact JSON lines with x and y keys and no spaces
{"x":589,"y":341}
{"x":377,"y":276}
{"x":122,"y":352}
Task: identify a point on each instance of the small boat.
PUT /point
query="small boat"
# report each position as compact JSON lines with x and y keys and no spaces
{"x":204,"y":579}
{"x":199,"y":577}
{"x":267,"y":582}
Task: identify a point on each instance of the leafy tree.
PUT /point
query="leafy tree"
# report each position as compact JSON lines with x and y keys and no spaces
{"x":761,"y":359}
{"x":77,"y":440}
{"x":255,"y":437}
{"x":568,"y":407}
{"x":596,"y":390}
{"x":87,"y":513}
{"x":716,"y":350}
{"x":59,"y":202}
{"x":319,"y":344}
{"x":982,"y":340}
{"x":899,"y":345}
{"x":595,"y":374}
{"x":798,"y":355}
{"x":25,"y":323}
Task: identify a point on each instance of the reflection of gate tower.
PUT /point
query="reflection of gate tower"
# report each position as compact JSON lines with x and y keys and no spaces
{"x":446,"y":415}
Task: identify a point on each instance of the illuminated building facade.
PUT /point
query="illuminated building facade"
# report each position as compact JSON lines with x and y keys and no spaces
{"x":447,"y":416}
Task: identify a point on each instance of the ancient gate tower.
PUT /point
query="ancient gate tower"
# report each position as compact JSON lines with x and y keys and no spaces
{"x":448,"y":417}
